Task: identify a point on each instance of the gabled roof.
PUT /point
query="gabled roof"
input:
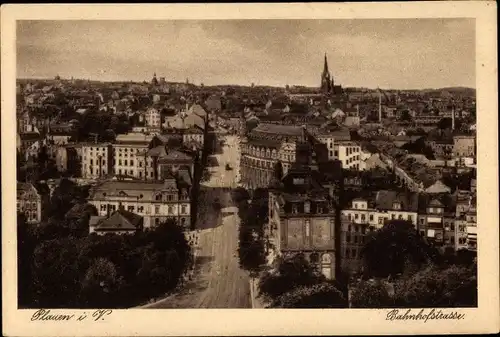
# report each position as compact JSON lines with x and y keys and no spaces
{"x":119,"y":220}
{"x":385,"y":200}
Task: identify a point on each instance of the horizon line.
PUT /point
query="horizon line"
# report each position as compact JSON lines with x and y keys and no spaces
{"x":241,"y":85}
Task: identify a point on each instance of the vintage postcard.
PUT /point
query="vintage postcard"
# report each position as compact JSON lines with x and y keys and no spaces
{"x":230,"y":169}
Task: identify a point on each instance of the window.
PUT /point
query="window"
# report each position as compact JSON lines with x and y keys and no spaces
{"x":140,"y":164}
{"x":307,"y":207}
{"x":157,"y":221}
{"x":348,"y":238}
{"x":103,"y":208}
{"x":353,"y":253}
{"x":380,"y":219}
{"x":355,"y":238}
{"x":130,"y":208}
{"x":157,"y":209}
{"x":294,"y":209}
{"x":170,"y":210}
{"x":371,"y":217}
{"x":356,"y":216}
{"x":410,"y":217}
{"x":393,"y":216}
{"x":363,"y":217}
{"x":140,"y":209}
{"x":347,"y":252}
{"x":126,"y":162}
{"x":183,"y":209}
{"x":421,"y":221}
{"x":119,"y":162}
{"x":131,"y":163}
{"x":400,"y":217}
{"x":308,"y":229}
{"x":349,"y":216}
{"x":349,"y":228}
{"x":91,"y":162}
{"x":356,"y":205}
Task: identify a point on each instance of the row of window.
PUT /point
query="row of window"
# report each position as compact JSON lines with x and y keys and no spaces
{"x":356,"y":239}
{"x":352,"y":253}
{"x":27,"y":205}
{"x":351,"y":150}
{"x":140,"y":209}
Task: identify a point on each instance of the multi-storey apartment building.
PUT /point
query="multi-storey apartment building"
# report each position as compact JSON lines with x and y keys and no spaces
{"x":154,"y":201}
{"x":436,"y":219}
{"x":97,"y":160}
{"x":349,"y":153}
{"x":31,"y":201}
{"x":127,"y":149}
{"x":302,"y":217}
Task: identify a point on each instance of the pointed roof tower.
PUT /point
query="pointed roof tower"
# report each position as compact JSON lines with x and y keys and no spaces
{"x":325,"y":67}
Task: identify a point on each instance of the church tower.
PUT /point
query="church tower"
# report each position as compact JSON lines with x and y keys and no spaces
{"x":326,"y":79}
{"x":154,"y":81}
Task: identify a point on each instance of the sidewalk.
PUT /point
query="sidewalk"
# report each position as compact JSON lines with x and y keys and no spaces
{"x":257,"y":302}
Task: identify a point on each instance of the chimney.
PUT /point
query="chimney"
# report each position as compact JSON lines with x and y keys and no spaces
{"x":453,"y":118}
{"x":379,"y":107}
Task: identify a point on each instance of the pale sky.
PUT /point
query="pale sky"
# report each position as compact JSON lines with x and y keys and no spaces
{"x":396,"y":54}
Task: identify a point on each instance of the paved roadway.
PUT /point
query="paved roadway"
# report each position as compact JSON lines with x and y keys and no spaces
{"x":218,"y":280}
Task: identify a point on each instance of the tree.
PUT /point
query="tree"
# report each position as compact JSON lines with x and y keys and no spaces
{"x":26,"y":243}
{"x":55,"y":274}
{"x":394,"y":247}
{"x":371,"y":294}
{"x":292,"y":272}
{"x":278,"y":170}
{"x":65,"y":196}
{"x":454,"y":286}
{"x":101,"y":284}
{"x":405,"y":115}
{"x":240,"y":195}
{"x":323,"y":295}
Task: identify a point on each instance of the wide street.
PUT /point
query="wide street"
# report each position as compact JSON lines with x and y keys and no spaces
{"x":218,"y":281}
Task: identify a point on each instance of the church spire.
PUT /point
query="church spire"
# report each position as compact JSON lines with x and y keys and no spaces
{"x":325,"y":68}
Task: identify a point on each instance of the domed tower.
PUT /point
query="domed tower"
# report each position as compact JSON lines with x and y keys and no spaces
{"x":154,"y":81}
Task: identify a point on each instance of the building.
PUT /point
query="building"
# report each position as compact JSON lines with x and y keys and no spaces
{"x":193,"y":134}
{"x":31,"y":201}
{"x":436,"y":216}
{"x":69,"y":159}
{"x":353,"y":238}
{"x":155,"y":201}
{"x":26,"y":139}
{"x":118,"y":222}
{"x":97,"y":160}
{"x":328,"y":86}
{"x":160,"y":161}
{"x":153,"y":118}
{"x":302,"y":218}
{"x":126,"y":152}
{"x":464,"y":146}
{"x":263,"y":147}
{"x":382,"y":206}
{"x":349,"y":153}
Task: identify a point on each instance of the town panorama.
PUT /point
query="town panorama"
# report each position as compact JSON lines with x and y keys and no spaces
{"x":160,"y":194}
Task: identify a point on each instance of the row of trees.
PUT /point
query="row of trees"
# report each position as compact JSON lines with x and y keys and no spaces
{"x":251,"y":230}
{"x":111,"y":271}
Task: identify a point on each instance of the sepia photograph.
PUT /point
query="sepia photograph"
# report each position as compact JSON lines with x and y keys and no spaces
{"x":247,"y":163}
